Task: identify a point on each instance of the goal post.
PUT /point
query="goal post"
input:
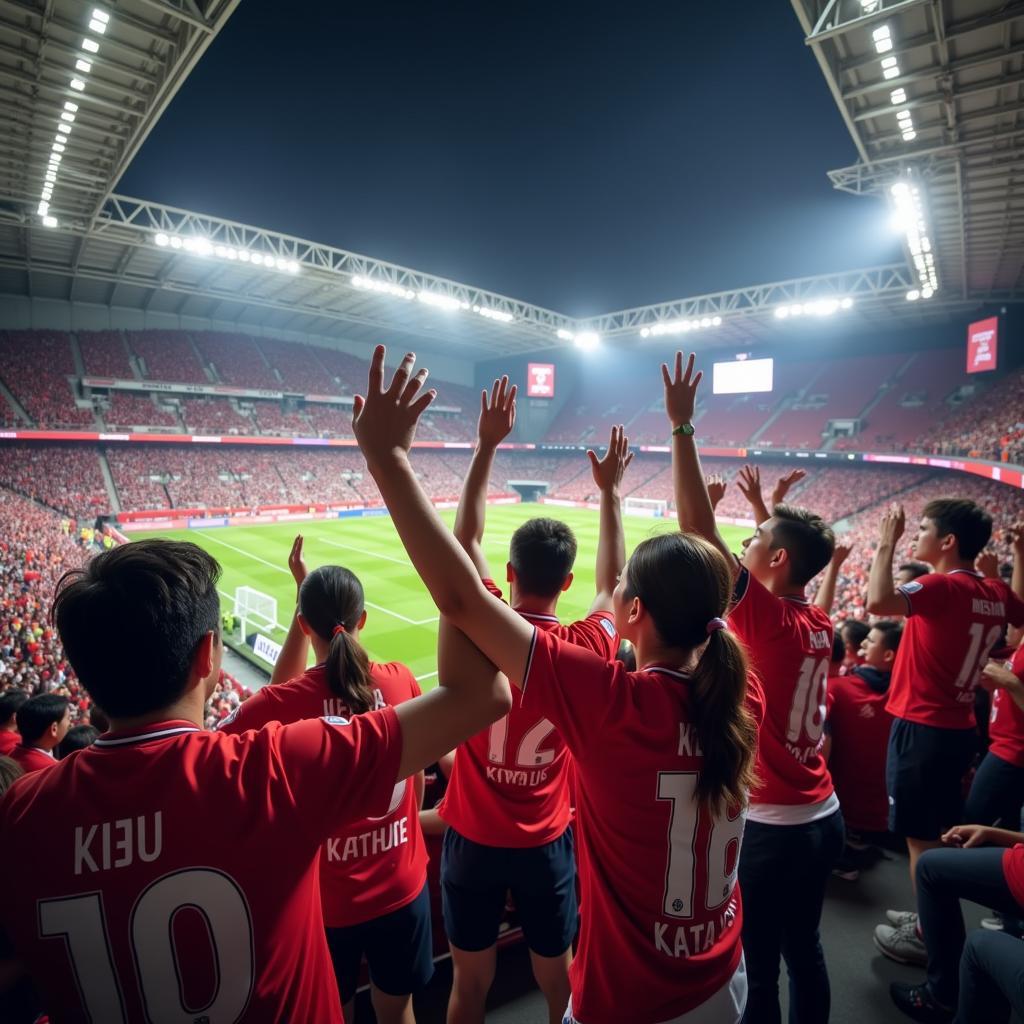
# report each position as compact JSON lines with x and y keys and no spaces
{"x":653,"y":508}
{"x":254,"y":606}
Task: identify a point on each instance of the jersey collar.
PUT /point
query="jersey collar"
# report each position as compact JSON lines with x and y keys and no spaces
{"x":666,"y":671}
{"x":970,"y":572}
{"x":146,"y":734}
{"x":535,"y":617}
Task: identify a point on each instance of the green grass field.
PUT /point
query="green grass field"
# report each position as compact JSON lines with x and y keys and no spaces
{"x":402,"y":621}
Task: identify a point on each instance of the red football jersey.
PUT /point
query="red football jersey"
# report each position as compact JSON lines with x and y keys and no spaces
{"x":32,"y":759}
{"x":510,"y":784}
{"x":1013,"y":871}
{"x":859,"y":726}
{"x":1006,"y":725}
{"x":8,"y":741}
{"x":953,"y":621}
{"x":179,"y":877}
{"x":375,"y":865}
{"x":660,"y":909}
{"x":789,"y":642}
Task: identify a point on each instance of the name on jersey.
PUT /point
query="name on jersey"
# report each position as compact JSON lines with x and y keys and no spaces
{"x":686,"y":940}
{"x":995,"y":609}
{"x":820,"y":640}
{"x":118,"y":844}
{"x":367,"y":844}
{"x":689,"y":745}
{"x":335,"y":707}
{"x":516,"y":776}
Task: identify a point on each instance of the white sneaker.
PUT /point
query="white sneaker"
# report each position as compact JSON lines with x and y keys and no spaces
{"x":898,"y":918}
{"x":992,"y":924}
{"x":902,"y":944}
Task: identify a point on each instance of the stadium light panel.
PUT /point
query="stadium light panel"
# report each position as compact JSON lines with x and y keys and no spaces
{"x":64,"y":129}
{"x":883,"y":45}
{"x":587,"y":341}
{"x":927,"y":293}
{"x":909,"y":136}
{"x":65,"y":116}
{"x":50,"y":176}
{"x":913,"y":295}
{"x":90,"y":46}
{"x":500,"y":315}
{"x":891,"y":73}
{"x":445,"y":302}
{"x":903,"y":115}
{"x":898,"y":96}
{"x":77,"y":84}
{"x":882,"y":32}
{"x":161,"y":239}
{"x":43,"y":207}
{"x":231,"y":254}
{"x":888,"y":62}
{"x":58,"y":147}
{"x":846,"y":303}
{"x":49,"y":222}
{"x":83,"y":65}
{"x":567,"y":335}
{"x":71,"y":108}
{"x":99,"y":14}
{"x":175,"y":243}
{"x":97,"y":26}
{"x":781,"y":312}
{"x":257,"y":258}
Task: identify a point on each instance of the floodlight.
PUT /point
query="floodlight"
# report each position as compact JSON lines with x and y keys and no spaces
{"x":716,"y":321}
{"x":67,"y":117}
{"x":888,"y":62}
{"x":927,"y":293}
{"x":97,"y":26}
{"x":445,"y":302}
{"x":883,"y":45}
{"x":909,"y":136}
{"x":90,"y":46}
{"x":495,"y":314}
{"x":58,"y":147}
{"x":78,"y":84}
{"x":846,"y":303}
{"x":257,"y":258}
{"x":202,"y":246}
{"x":781,"y":312}
{"x":71,"y":107}
{"x":49,"y":222}
{"x":47,"y":192}
{"x":83,"y":65}
{"x":891,"y":73}
{"x":645,"y":332}
{"x":882,"y":32}
{"x":705,"y":321}
{"x":231,"y":254}
{"x":43,"y":207}
{"x":564,"y":334}
{"x":903,"y":115}
{"x":50,"y":176}
{"x":243,"y":255}
{"x":161,"y":238}
{"x":587,"y":341}
{"x":64,"y":129}
{"x":99,"y":14}
{"x":898,"y":96}
{"x":175,"y":242}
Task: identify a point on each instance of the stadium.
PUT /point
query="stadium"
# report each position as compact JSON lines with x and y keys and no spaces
{"x":168,"y":373}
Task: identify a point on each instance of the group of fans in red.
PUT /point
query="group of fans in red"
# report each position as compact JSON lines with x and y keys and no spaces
{"x":179,"y":874}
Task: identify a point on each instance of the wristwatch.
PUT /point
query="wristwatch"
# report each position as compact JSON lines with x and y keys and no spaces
{"x":686,"y":429}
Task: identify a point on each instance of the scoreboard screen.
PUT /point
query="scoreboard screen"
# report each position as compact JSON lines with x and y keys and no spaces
{"x":743,"y":376}
{"x":540,"y":380}
{"x":982,"y":345}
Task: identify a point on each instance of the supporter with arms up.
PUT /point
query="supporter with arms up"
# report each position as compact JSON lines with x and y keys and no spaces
{"x":373,"y":871}
{"x":507,"y":801}
{"x":795,"y":830}
{"x":663,"y":756}
{"x":180,"y":874}
{"x":954,"y":618}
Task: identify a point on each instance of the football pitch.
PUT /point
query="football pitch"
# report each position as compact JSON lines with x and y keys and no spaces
{"x":401,"y":622}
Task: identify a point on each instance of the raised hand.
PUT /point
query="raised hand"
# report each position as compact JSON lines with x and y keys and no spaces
{"x":894,"y":522}
{"x":608,"y":471}
{"x":384,"y":421}
{"x":680,"y":389}
{"x":987,"y":563}
{"x":716,"y":488}
{"x":497,"y":413}
{"x":784,"y":483}
{"x":749,"y":483}
{"x":296,"y":563}
{"x":1016,"y":535}
{"x":841,"y":552}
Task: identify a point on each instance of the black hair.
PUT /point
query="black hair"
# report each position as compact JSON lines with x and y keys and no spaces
{"x":78,"y":738}
{"x":160,"y":596}
{"x":38,"y":713}
{"x":853,"y":632}
{"x":627,"y":655}
{"x":329,"y":597}
{"x":683,"y":583}
{"x":542,"y":553}
{"x":967,"y":521}
{"x":892,"y":633}
{"x":838,"y":648}
{"x":806,"y":538}
{"x":915,"y":569}
{"x":10,"y":771}
{"x":10,"y":701}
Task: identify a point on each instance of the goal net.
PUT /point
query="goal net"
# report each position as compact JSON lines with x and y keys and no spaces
{"x":654,"y":508}
{"x":253,"y":606}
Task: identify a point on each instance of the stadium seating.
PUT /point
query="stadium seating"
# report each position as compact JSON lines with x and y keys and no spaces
{"x":36,"y":367}
{"x":105,"y":354}
{"x":129,"y":409}
{"x":167,"y":356}
{"x":298,"y":366}
{"x":236,"y":359}
{"x":214,"y":416}
{"x":65,"y":477}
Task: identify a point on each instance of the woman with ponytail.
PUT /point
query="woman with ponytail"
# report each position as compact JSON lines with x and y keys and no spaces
{"x":373,"y":873}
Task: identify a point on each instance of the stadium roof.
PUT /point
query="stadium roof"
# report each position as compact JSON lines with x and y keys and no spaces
{"x":933,"y":92}
{"x":69,"y":134}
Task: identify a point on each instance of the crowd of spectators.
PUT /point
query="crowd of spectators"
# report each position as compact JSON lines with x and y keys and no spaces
{"x":167,"y":356}
{"x":65,"y":477}
{"x":127,"y":410}
{"x":37,"y":367}
{"x":105,"y":354}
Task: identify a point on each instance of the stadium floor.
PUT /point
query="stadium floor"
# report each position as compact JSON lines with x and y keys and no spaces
{"x":860,"y":975}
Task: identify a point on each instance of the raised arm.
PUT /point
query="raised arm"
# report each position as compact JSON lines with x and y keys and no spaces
{"x":693,"y":506}
{"x":1017,"y":540}
{"x":883,"y":597}
{"x":717,"y":486}
{"x":784,"y":483}
{"x":291,"y":662}
{"x":611,"y":541}
{"x":749,"y":483}
{"x":996,"y":675}
{"x":826,"y":595}
{"x":497,"y":418}
{"x":384,"y":422}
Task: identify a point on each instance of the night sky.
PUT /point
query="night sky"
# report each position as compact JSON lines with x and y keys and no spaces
{"x":585,"y":157}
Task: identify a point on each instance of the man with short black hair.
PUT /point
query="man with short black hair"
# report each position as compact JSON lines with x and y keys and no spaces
{"x":911,"y":571}
{"x":955,"y":616}
{"x":10,"y":701}
{"x":43,"y":721}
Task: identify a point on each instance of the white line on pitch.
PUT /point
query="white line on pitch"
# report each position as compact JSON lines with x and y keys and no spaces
{"x":278,"y":568}
{"x":363,"y":551}
{"x":429,"y":675}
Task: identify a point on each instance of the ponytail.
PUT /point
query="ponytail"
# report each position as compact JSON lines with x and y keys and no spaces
{"x":348,"y":672}
{"x":725,"y":727}
{"x":331,"y":601}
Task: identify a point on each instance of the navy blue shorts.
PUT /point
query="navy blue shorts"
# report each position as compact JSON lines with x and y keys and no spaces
{"x":398,"y":948}
{"x":474,"y":882}
{"x":924,"y":772}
